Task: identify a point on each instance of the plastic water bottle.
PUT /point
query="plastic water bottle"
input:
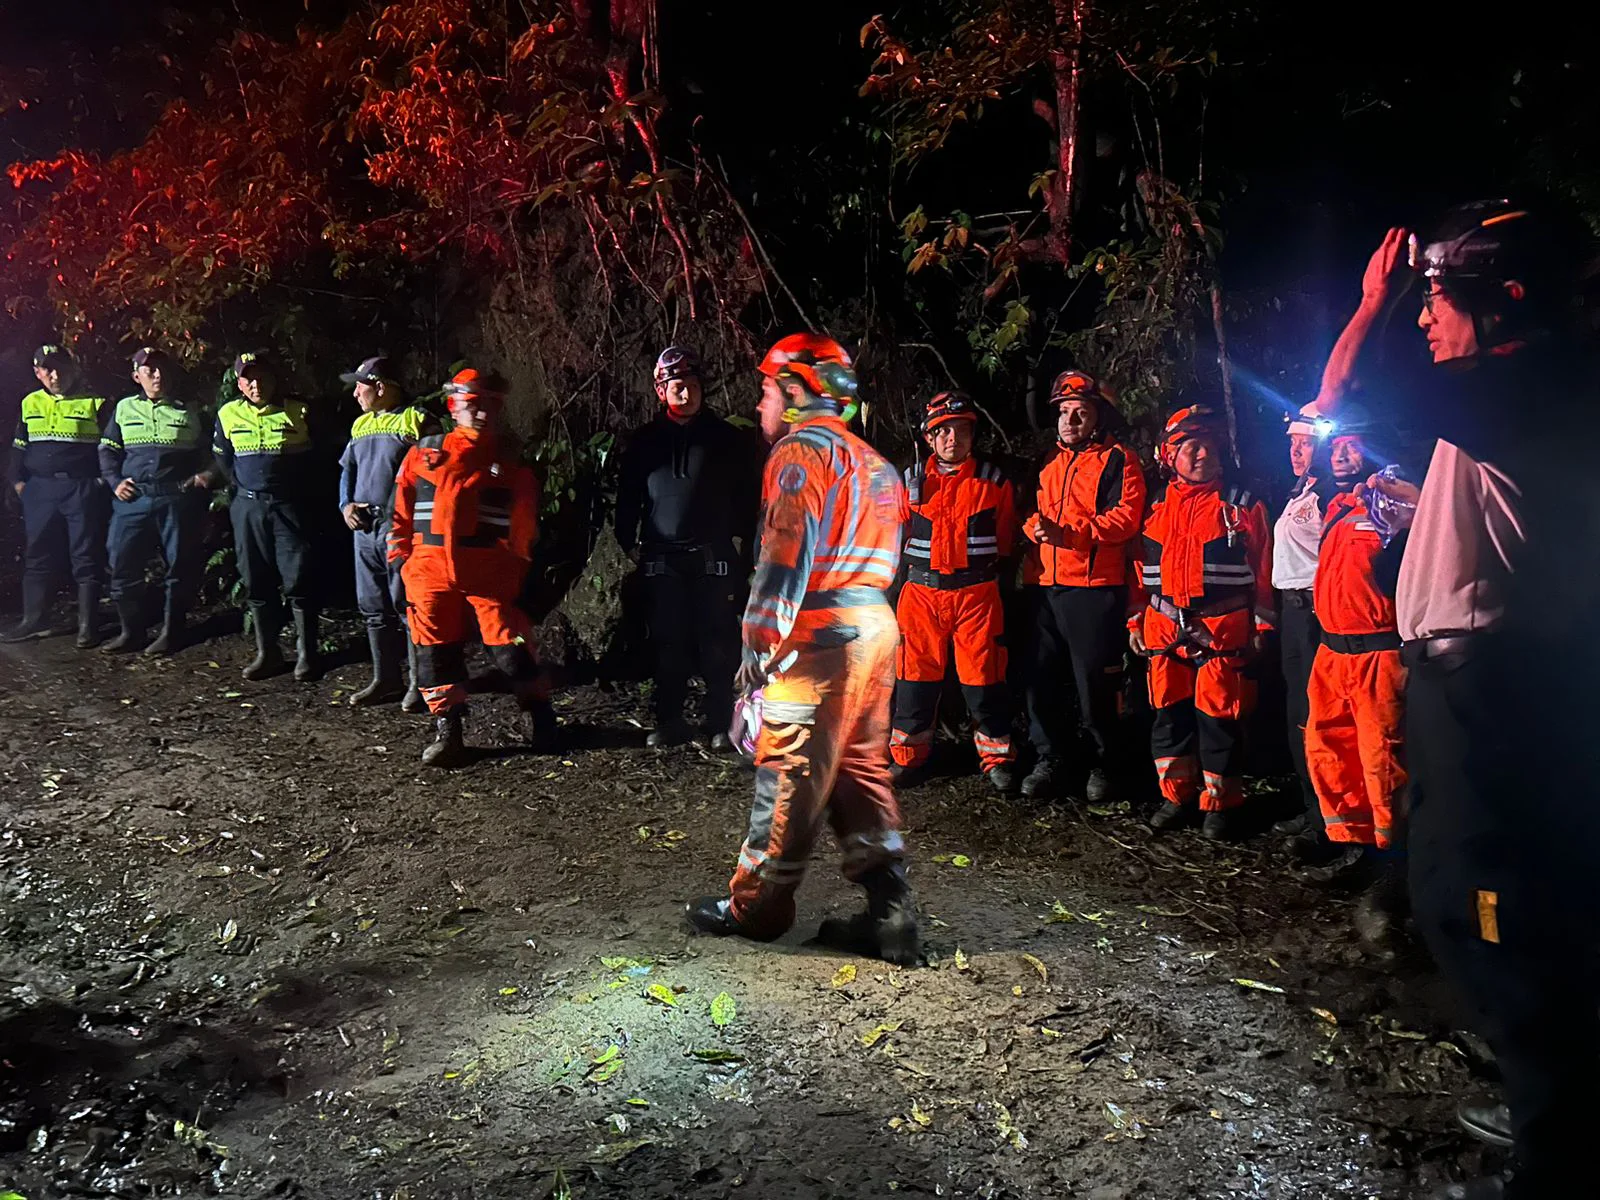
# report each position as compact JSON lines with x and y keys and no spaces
{"x":1389,"y":515}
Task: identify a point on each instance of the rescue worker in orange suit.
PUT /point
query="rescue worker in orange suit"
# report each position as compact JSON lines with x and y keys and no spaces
{"x":1355,"y":733}
{"x":1497,"y":603}
{"x":1203,"y":599}
{"x":962,"y":527}
{"x":466,"y":517}
{"x":1090,"y":506}
{"x":819,"y":643}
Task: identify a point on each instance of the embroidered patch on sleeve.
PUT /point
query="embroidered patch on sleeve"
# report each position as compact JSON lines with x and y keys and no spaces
{"x":792,"y":478}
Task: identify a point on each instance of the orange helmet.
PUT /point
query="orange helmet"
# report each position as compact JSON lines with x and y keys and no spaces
{"x":474,"y":384}
{"x":821,"y":366}
{"x":1196,"y":420}
{"x":1080,"y":385}
{"x":947,"y":407}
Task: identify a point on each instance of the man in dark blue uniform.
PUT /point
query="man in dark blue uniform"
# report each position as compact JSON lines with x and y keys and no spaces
{"x":264,"y":445}
{"x":690,"y":486}
{"x":55,"y":470}
{"x":153,"y":457}
{"x":379,"y":439}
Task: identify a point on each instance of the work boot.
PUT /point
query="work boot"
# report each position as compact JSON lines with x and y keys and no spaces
{"x":307,"y":662}
{"x":1292,"y":826}
{"x":173,"y":627}
{"x":1489,"y":1123}
{"x":907,"y":775}
{"x":448,"y":748}
{"x":1002,"y":779}
{"x":888,"y":928}
{"x":713,"y":915}
{"x":35,"y":611}
{"x":130,"y":615}
{"x":1098,"y":788}
{"x":1215,"y":827}
{"x":88,"y":615}
{"x":384,"y":646}
{"x":1492,"y":1187}
{"x":1311,"y":846}
{"x":669,"y":733}
{"x":413,"y":702}
{"x":1349,"y":866}
{"x":269,"y":655}
{"x":540,"y":727}
{"x":1172,"y":816}
{"x":1044,"y":781}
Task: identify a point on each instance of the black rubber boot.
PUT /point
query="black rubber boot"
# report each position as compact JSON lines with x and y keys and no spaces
{"x":307,"y":662}
{"x":36,"y":594}
{"x":1044,"y":781}
{"x":174,"y":624}
{"x":1489,"y":1123}
{"x":269,"y":655}
{"x":88,"y":616}
{"x":448,"y":748}
{"x":130,"y":616}
{"x":669,"y":733}
{"x":540,"y":727}
{"x":888,"y":929}
{"x":1002,"y":779}
{"x":1172,"y":816}
{"x":384,"y":644}
{"x":1292,"y":826}
{"x":413,"y":702}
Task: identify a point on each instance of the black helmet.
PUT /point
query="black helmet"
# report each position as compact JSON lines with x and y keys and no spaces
{"x":1478,"y":248}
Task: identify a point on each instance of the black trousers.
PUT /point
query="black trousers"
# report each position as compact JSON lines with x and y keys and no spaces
{"x":1298,"y":636}
{"x":1503,"y":839}
{"x":172,"y":523}
{"x":272,"y":541}
{"x":64,"y":523}
{"x":1081,"y":632}
{"x":694,"y":623}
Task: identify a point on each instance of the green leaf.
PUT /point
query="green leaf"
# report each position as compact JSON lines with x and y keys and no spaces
{"x":844,"y":975}
{"x":1258,"y":986}
{"x":661,"y":994}
{"x":723,"y":1010}
{"x":873,"y":1036}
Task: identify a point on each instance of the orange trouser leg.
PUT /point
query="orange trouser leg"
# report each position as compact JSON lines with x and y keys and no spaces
{"x":1223,"y":697}
{"x":981,"y":660}
{"x":1174,"y":739}
{"x":1333,"y":757}
{"x":1359,"y":795}
{"x":925,"y":619}
{"x":820,"y":753}
{"x":436,"y":613}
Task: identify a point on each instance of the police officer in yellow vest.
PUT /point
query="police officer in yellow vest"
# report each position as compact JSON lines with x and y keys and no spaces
{"x":55,"y":470}
{"x":153,"y":457}
{"x":263,"y":443}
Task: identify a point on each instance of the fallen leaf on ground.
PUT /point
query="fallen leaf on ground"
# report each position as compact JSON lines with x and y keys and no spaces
{"x":637,"y":1101}
{"x":661,"y":994}
{"x":1326,"y":1015}
{"x":723,"y":1010}
{"x":601,"y":1072}
{"x":228,"y":932}
{"x":509,"y":991}
{"x":920,"y":1117}
{"x":1007,"y":1130}
{"x":608,"y":1054}
{"x":1257,"y":985}
{"x":844,"y":975}
{"x":1044,"y":972}
{"x":962,"y":961}
{"x":872,"y":1038}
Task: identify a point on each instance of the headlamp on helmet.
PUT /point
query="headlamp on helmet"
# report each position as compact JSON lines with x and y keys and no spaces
{"x":1197,"y":420}
{"x":677,"y":362}
{"x":947,"y":407}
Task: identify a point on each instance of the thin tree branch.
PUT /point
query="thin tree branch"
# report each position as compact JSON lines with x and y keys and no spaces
{"x":761,"y":249}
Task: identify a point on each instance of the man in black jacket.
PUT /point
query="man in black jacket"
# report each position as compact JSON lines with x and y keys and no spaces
{"x":690,"y":486}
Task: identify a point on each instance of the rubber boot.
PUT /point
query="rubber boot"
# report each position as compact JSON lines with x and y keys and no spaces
{"x":384,"y":644}
{"x":712,"y":915}
{"x":269,"y":655}
{"x":1172,"y":816}
{"x":413,"y":702}
{"x":888,"y":929}
{"x":173,"y":628}
{"x":448,"y":747}
{"x":540,"y":728}
{"x":130,"y":615}
{"x":307,"y":662}
{"x":88,"y":616}
{"x":36,"y":595}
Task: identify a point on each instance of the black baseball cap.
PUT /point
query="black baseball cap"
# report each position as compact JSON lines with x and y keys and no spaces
{"x":151,"y":356}
{"x":370,"y":371}
{"x":52,"y":355}
{"x":253,"y":359}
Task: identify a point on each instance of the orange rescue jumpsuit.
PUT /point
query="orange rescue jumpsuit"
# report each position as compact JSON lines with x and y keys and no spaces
{"x":1355,"y":735}
{"x":819,"y":625}
{"x":466,"y":517}
{"x":1204,"y":587}
{"x":963,"y":523}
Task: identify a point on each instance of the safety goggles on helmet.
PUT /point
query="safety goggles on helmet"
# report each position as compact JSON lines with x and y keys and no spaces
{"x":947,"y":407}
{"x":1079,"y":385}
{"x":1197,"y":420}
{"x":823,"y":369}
{"x":479,"y":386}
{"x":677,"y":362}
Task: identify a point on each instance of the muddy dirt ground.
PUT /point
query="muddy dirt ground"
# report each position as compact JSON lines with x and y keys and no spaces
{"x":251,"y":949}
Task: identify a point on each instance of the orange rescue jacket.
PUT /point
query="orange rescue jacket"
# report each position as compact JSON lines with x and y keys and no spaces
{"x":833,"y":511}
{"x":962,"y":522}
{"x":1346,"y":595}
{"x":465,"y":499}
{"x":1206,"y":547}
{"x":1097,"y":495}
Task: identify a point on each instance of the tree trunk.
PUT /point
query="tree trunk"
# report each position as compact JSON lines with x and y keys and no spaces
{"x":1066,"y":62}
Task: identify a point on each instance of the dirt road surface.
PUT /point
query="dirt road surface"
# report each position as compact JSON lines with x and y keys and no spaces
{"x":252,"y":949}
